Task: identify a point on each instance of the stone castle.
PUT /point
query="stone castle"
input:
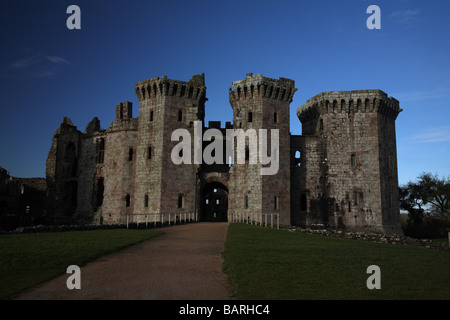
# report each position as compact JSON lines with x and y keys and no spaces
{"x":341,"y":172}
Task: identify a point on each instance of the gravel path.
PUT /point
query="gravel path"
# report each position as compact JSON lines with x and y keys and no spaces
{"x":183,"y":264}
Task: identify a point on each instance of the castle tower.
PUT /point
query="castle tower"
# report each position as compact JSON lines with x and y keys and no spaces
{"x":118,"y":166}
{"x":261,"y":103}
{"x":348,"y":164}
{"x":162,"y":186}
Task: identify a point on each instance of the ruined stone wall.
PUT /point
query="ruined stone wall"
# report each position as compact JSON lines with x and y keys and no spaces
{"x":62,"y":172}
{"x":90,"y":165}
{"x":305,"y":158}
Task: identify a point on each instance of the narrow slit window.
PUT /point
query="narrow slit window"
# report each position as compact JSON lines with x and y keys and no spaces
{"x":180,"y":201}
{"x":151,"y":115}
{"x":275,"y":117}
{"x":146,"y":201}
{"x":250,"y":117}
{"x":246,"y":202}
{"x":149,"y":152}
{"x":130,"y":154}
{"x":353,"y":160}
{"x":100,"y":150}
{"x":180,"y":115}
{"x":127,"y":201}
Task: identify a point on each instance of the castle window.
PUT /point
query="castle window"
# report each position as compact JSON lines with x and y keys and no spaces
{"x":349,"y":207}
{"x":247,"y":154}
{"x":180,"y":200}
{"x":149,"y":152}
{"x":100,"y":150}
{"x":321,"y":124}
{"x":353,"y":160}
{"x":217,"y":201}
{"x":180,"y":115}
{"x":99,"y":190}
{"x":355,"y":198}
{"x":130,"y":154}
{"x":275,"y":117}
{"x":151,"y":115}
{"x":275,"y":203}
{"x":246,"y":202}
{"x":127,"y":200}
{"x":207,"y":201}
{"x":297,"y":159}
{"x":250,"y":117}
{"x":146,"y":201}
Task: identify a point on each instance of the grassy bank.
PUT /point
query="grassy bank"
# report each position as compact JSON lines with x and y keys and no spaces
{"x":29,"y":259}
{"x":273,"y":264}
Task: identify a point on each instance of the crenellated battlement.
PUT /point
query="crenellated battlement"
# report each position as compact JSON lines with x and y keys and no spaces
{"x":258,"y":86}
{"x":193,"y":89}
{"x":350,"y":102}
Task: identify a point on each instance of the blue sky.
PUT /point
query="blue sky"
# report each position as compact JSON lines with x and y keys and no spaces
{"x":48,"y":71}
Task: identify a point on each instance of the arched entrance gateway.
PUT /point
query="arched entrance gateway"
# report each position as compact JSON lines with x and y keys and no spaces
{"x":213,"y":202}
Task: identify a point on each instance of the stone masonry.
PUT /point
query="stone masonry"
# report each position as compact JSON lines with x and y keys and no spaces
{"x":341,"y":172}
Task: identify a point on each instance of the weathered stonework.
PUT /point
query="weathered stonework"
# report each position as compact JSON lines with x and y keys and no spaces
{"x":345,"y":176}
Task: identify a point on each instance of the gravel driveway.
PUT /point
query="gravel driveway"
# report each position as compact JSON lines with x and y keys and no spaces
{"x":183,"y":264}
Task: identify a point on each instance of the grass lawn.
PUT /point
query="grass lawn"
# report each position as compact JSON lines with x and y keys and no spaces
{"x":271,"y":264}
{"x":29,"y":259}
